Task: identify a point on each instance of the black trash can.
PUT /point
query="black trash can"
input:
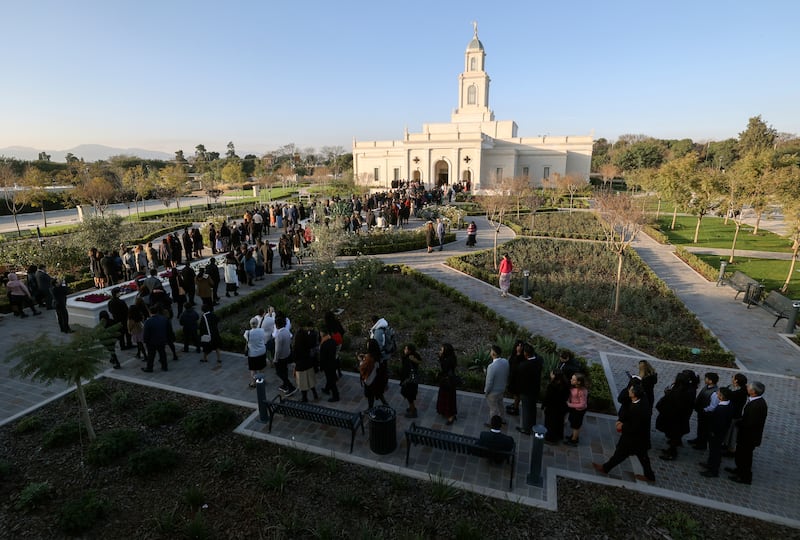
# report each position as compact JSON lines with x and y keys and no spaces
{"x":753,"y":294}
{"x":382,"y":429}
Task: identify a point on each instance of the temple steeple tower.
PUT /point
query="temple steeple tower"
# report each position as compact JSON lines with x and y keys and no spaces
{"x":473,"y":85}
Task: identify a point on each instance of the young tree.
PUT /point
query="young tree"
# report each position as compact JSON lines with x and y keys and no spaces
{"x":621,"y":220}
{"x":497,"y":205}
{"x":789,"y":195}
{"x":9,"y":184}
{"x":232,"y":173}
{"x":81,"y":358}
{"x":675,"y":179}
{"x":608,"y":172}
{"x":707,"y":193}
{"x":570,"y":184}
{"x":96,"y":191}
{"x":172,"y":184}
{"x":35,"y":194}
{"x":137,"y":184}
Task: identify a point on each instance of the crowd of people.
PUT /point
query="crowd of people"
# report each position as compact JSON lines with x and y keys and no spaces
{"x":730,"y":419}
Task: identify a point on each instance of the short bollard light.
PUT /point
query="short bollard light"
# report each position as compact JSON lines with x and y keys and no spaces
{"x":791,"y":321}
{"x":537,"y":451}
{"x":261,"y":396}
{"x":722,"y":266}
{"x":525,"y":274}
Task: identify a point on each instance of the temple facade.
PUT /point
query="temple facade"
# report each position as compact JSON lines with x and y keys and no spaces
{"x":473,"y":149}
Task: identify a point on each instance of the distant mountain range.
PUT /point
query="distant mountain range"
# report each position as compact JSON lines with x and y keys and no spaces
{"x":89,"y":152}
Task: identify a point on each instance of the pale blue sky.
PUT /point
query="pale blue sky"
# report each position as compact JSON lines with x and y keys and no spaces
{"x":165,"y":74}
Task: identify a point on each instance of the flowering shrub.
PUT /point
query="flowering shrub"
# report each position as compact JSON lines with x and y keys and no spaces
{"x":452,"y":216}
{"x":94,"y":298}
{"x":321,"y":287}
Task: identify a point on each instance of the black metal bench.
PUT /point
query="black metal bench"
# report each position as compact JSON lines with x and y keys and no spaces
{"x":316,"y":413}
{"x":777,"y":305}
{"x":741,"y":283}
{"x":460,"y":444}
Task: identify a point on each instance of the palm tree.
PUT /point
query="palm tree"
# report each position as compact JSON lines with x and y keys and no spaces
{"x":79,"y":359}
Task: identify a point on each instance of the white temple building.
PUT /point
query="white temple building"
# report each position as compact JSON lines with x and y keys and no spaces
{"x":474,"y":148}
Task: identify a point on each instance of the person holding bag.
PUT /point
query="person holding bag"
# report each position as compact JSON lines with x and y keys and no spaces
{"x":210,"y":339}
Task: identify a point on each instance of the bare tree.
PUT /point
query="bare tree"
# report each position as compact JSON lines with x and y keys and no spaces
{"x":621,"y":220}
{"x":571,"y":185}
{"x":35,"y":193}
{"x":497,"y":205}
{"x":96,"y":191}
{"x":9,"y":184}
{"x":608,"y":172}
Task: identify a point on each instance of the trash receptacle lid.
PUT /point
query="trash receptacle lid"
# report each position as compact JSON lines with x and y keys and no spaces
{"x":381,"y":413}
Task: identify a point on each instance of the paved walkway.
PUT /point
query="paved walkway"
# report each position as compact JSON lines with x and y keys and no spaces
{"x":773,"y":495}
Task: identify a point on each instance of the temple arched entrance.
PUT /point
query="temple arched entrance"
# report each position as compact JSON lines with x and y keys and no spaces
{"x":442,"y":173}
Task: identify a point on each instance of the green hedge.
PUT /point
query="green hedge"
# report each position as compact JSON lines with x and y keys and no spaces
{"x":702,"y":267}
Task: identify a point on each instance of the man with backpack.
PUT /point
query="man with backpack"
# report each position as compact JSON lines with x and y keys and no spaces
{"x":384,"y":335}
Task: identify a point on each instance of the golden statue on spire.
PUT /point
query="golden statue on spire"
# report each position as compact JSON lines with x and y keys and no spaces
{"x":475,"y":27}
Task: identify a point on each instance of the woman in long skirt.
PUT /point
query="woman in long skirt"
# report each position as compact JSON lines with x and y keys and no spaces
{"x":446,"y":400}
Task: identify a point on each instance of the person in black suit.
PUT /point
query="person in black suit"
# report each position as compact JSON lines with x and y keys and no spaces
{"x":751,"y":428}
{"x":718,"y":425}
{"x":634,"y":426}
{"x":529,"y":373}
{"x":495,"y":439}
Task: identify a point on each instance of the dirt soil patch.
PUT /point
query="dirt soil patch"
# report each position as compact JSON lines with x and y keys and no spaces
{"x":231,"y":486}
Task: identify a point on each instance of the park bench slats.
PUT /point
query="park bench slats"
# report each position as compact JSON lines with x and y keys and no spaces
{"x":316,"y":413}
{"x":460,"y":444}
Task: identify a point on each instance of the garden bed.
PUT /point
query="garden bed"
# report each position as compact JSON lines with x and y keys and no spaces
{"x":576,"y":280}
{"x":224,"y":485}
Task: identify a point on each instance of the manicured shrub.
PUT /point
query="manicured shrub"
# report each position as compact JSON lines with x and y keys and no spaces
{"x":112,"y":445}
{"x":78,"y":516}
{"x":33,"y":495}
{"x":152,"y":461}
{"x":161,"y":413}
{"x":120,"y":401}
{"x":208,"y":421}
{"x":28,"y":425}
{"x":6,"y":469}
{"x":63,"y":435}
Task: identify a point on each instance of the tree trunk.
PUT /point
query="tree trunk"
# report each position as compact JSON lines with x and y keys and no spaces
{"x":19,"y":233}
{"x":735,"y":236}
{"x":658,"y":209}
{"x":795,"y":248}
{"x":758,"y":221}
{"x":619,"y":282}
{"x":496,"y":234}
{"x":44,"y":216}
{"x":674,"y":218}
{"x":697,"y":229}
{"x":87,"y":421}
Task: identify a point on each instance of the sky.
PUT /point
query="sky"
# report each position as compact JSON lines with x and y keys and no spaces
{"x":172,"y":74}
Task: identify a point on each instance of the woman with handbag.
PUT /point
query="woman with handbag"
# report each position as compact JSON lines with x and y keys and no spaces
{"x":448,"y":383}
{"x":409,"y":387}
{"x":210,"y":339}
{"x":255,"y":350}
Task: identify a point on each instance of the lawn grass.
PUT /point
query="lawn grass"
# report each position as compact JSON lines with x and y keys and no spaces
{"x":772,"y":273}
{"x":714,"y":233}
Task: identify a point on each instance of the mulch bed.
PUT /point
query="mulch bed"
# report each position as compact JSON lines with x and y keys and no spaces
{"x":231,"y":486}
